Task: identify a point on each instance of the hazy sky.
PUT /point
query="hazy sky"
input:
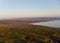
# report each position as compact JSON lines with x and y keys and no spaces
{"x":29,"y":8}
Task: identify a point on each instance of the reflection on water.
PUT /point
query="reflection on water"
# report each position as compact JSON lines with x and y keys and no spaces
{"x":49,"y":23}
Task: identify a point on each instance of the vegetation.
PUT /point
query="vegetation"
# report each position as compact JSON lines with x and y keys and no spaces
{"x":28,"y":33}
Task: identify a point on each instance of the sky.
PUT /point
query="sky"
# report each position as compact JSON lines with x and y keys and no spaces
{"x":29,"y":8}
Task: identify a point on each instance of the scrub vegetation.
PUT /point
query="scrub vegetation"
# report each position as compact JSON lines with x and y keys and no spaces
{"x":23,"y":32}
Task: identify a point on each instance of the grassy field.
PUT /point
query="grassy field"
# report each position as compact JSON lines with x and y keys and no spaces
{"x":22,"y":32}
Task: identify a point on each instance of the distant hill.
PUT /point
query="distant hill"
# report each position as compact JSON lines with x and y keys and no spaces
{"x":38,"y":19}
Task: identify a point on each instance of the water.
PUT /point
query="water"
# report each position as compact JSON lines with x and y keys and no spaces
{"x":49,"y":23}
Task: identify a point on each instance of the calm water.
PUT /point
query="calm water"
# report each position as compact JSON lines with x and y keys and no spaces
{"x":49,"y":23}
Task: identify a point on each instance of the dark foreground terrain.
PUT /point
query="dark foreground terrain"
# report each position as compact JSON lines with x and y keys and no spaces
{"x":23,"y":32}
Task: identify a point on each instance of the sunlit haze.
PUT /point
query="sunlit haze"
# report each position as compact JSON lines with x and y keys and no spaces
{"x":29,"y":8}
